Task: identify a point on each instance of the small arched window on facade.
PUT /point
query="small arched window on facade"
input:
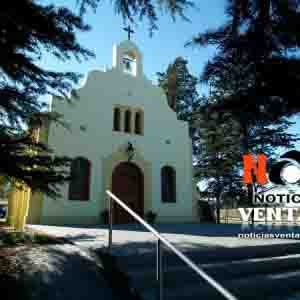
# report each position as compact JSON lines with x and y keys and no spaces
{"x":138,"y":126}
{"x":168,"y":184}
{"x":127,"y":125}
{"x":79,"y":186}
{"x":117,"y":119}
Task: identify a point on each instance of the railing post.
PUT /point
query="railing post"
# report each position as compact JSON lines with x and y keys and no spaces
{"x":110,"y":221}
{"x":159,"y":269}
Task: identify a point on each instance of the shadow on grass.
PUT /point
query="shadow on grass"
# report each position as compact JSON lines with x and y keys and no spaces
{"x":118,"y":280}
{"x":51,"y":270}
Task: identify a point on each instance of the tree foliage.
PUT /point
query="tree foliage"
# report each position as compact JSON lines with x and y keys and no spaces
{"x":255,"y":73}
{"x":258,"y":45}
{"x":218,"y":156}
{"x":180,"y":87}
{"x":223,"y":139}
{"x":28,"y":31}
{"x":138,"y":10}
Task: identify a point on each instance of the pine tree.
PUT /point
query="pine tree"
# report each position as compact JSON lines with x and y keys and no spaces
{"x":261,"y":132}
{"x":259,"y":43}
{"x":243,"y":133}
{"x":219,"y":150}
{"x":28,"y":31}
{"x":180,"y":87}
{"x":256,"y":71}
{"x":224,"y":137}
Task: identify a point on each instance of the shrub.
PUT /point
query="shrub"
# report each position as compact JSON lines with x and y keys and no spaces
{"x":150,"y":217}
{"x":105,"y":216}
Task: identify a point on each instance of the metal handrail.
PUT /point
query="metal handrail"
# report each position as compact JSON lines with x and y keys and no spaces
{"x":160,"y":238}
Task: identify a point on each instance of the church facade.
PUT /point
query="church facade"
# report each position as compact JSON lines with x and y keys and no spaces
{"x":125,"y":138}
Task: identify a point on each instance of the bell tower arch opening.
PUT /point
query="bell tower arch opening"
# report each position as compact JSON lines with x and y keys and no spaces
{"x":128,"y":59}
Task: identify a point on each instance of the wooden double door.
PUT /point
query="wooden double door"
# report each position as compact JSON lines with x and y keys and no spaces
{"x":128,"y":185}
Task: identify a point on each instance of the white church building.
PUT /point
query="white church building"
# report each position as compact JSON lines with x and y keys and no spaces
{"x":123,"y":137}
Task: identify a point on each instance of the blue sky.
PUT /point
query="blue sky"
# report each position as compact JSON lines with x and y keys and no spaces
{"x":159,"y":50}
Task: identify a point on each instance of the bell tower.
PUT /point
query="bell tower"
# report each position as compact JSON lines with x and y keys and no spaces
{"x":127,"y":58}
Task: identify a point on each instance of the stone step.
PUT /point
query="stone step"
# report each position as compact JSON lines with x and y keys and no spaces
{"x":145,"y":278}
{"x":259,"y":287}
{"x":201,"y":256}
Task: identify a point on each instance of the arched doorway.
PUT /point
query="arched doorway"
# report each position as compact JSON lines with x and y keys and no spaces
{"x":128,"y":185}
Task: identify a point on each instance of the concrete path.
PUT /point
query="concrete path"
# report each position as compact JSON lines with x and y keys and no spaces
{"x":132,"y":238}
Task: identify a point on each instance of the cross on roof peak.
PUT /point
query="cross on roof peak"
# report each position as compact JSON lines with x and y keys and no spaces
{"x":129,"y":31}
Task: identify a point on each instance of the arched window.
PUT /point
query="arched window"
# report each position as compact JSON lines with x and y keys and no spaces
{"x":127,"y":127}
{"x":138,"y":123}
{"x":79,"y":186}
{"x":168,"y":184}
{"x":117,"y":118}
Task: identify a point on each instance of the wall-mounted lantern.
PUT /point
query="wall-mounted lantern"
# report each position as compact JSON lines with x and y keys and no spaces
{"x":130,"y":151}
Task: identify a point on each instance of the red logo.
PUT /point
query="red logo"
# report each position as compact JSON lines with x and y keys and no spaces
{"x":255,"y":168}
{"x":286,"y":170}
